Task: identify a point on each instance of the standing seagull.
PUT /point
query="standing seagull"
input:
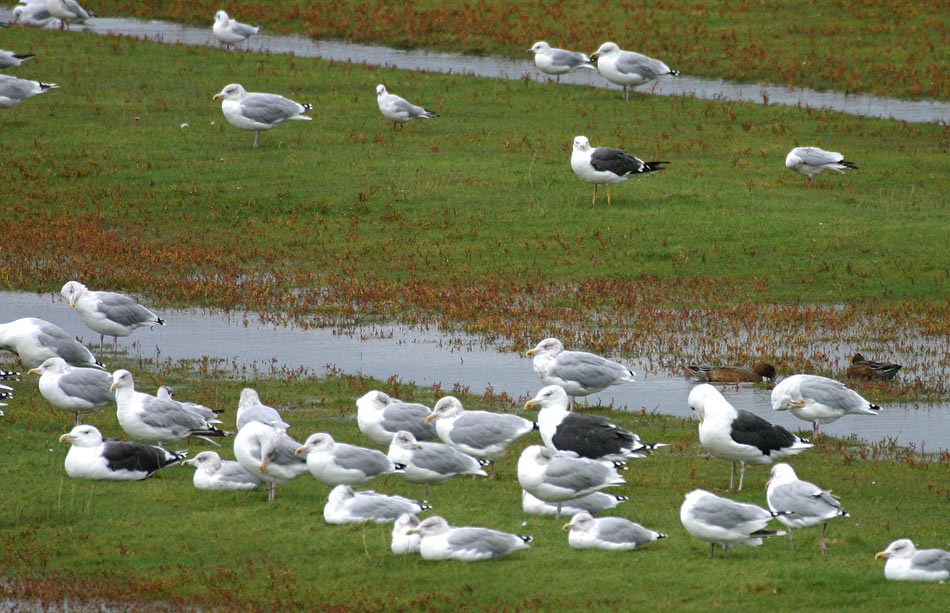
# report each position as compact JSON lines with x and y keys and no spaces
{"x":907,"y":563}
{"x":578,"y":372}
{"x":74,"y":389}
{"x":9,"y":59}
{"x":719,"y":520}
{"x":67,"y":11}
{"x":251,"y":409}
{"x":231,"y":31}
{"x":739,"y":436}
{"x":399,"y":110}
{"x":268,"y":453}
{"x":801,"y":503}
{"x":427,"y":462}
{"x":13,"y":90}
{"x":559,"y":476}
{"x":819,"y":400}
{"x":610,"y":533}
{"x":254,"y":111}
{"x":36,"y":340}
{"x":606,"y":166}
{"x":812,"y":161}
{"x":551,"y":60}
{"x":628,"y":67}
{"x":108,"y":313}
{"x":90,"y":457}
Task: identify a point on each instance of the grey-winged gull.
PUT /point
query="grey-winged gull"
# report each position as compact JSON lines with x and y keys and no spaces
{"x":812,"y":161}
{"x":592,"y":503}
{"x":559,"y":476}
{"x":13,"y":91}
{"x":213,"y":473}
{"x":380,"y":417}
{"x":907,"y":563}
{"x":268,"y":453}
{"x":398,"y":110}
{"x":33,"y":14}
{"x":578,"y":372}
{"x":9,"y":59}
{"x":165,"y":392}
{"x":258,"y":111}
{"x":345,"y":506}
{"x":67,"y":11}
{"x":250,"y":408}
{"x":36,"y":340}
{"x":74,"y":389}
{"x":108,"y":313}
{"x":554,"y":61}
{"x":334,"y":463}
{"x":628,"y":68}
{"x":428,"y":462}
{"x":801,"y":503}
{"x":611,"y":533}
{"x":402,"y":541}
{"x":91,"y":457}
{"x":739,"y":436}
{"x":607,"y":165}
{"x":819,"y":400}
{"x":724,"y":522}
{"x":441,"y":541}
{"x":231,"y":31}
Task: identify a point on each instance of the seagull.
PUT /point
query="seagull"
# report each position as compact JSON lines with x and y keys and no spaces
{"x":67,"y":11}
{"x":268,"y":453}
{"x":628,"y":67}
{"x":398,"y":110}
{"x":606,"y":166}
{"x":108,"y":313}
{"x":560,"y":476}
{"x":254,"y":111}
{"x":611,"y":533}
{"x":73,"y":388}
{"x":9,"y":375}
{"x":13,"y":90}
{"x":402,"y":541}
{"x":587,"y":435}
{"x":344,"y":506}
{"x":213,"y":473}
{"x":335,"y":463}
{"x":148,"y":419}
{"x":380,"y":417}
{"x":592,"y":503}
{"x":819,"y":400}
{"x":91,"y":457}
{"x":9,"y":59}
{"x":551,"y":60}
{"x":250,"y":408}
{"x":441,"y":541}
{"x":480,"y":434}
{"x":725,"y":522}
{"x":165,"y":393}
{"x":801,"y":503}
{"x":907,"y":563}
{"x":739,"y":436}
{"x":33,"y":14}
{"x":732,"y":374}
{"x":36,"y":340}
{"x":231,"y":31}
{"x":862,"y":368}
{"x":812,"y":161}
{"x":578,"y":372}
{"x":427,"y":462}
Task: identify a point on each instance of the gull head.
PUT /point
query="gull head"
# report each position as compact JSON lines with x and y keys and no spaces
{"x":234,"y":91}
{"x":448,"y":406}
{"x":208,"y":460}
{"x":71,"y":291}
{"x":581,"y":143}
{"x":430,"y":526}
{"x":221,"y":17}
{"x":582,"y":522}
{"x":550,"y":396}
{"x":122,"y":379}
{"x":381,"y":90}
{"x":792,"y":161}
{"x":607,"y":48}
{"x":55,"y":366}
{"x":540,"y":47}
{"x":82,"y":436}
{"x":901,"y":548}
{"x":782,"y":473}
{"x":318,"y":441}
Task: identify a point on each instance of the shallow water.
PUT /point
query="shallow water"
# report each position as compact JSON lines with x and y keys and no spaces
{"x":499,"y":67}
{"x":427,"y":357}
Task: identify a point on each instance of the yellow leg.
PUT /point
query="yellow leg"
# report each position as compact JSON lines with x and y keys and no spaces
{"x":594,"y":200}
{"x":608,"y":195}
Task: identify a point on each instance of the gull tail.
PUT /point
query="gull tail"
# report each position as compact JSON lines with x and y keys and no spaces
{"x":848,"y":164}
{"x":24,"y":56}
{"x":45,"y":86}
{"x":526,"y":539}
{"x":764,"y":533}
{"x":429,"y":114}
{"x":673,"y":73}
{"x":651,"y":167}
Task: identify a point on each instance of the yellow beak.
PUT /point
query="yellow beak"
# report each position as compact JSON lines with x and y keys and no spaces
{"x":300,"y":449}
{"x":428,"y":418}
{"x":880,"y":555}
{"x":66,"y":438}
{"x":112,"y":387}
{"x":529,"y":352}
{"x":216,"y":96}
{"x":566,"y":527}
{"x":33,"y":371}
{"x":530,"y":404}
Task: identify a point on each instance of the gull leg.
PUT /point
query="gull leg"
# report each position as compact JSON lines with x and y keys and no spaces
{"x":608,"y":195}
{"x":102,"y":338}
{"x":427,"y":491}
{"x":791,"y":538}
{"x":557,"y":514}
{"x":78,"y":418}
{"x":116,"y":342}
{"x":626,"y":94}
{"x":741,"y":477}
{"x":808,"y":182}
{"x":815,"y":428}
{"x":492,"y":475}
{"x":594,"y":200}
{"x":821,"y":539}
{"x":732,"y":477}
{"x":712,"y":549}
{"x":725,"y":551}
{"x":272,"y":491}
{"x":257,"y":138}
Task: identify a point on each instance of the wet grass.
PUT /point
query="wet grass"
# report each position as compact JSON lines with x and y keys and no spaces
{"x":851,"y":46}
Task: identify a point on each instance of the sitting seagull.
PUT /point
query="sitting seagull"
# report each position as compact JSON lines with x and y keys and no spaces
{"x":255,"y":111}
{"x":344,"y":506}
{"x":812,"y":161}
{"x":148,"y":419}
{"x":578,"y":372}
{"x":165,"y":393}
{"x":819,"y":400}
{"x":231,"y":31}
{"x":587,"y":435}
{"x":213,"y":473}
{"x":739,"y":436}
{"x":108,"y":313}
{"x":428,"y":462}
{"x":907,"y":563}
{"x":74,"y":389}
{"x":801,"y":503}
{"x":36,"y":340}
{"x":732,"y":374}
{"x":67,"y":11}
{"x":381,"y":417}
{"x":560,"y":476}
{"x":719,"y":520}
{"x":268,"y":453}
{"x":592,"y":503}
{"x":334,"y":463}
{"x":9,"y":59}
{"x":399,"y":110}
{"x":480,"y":434}
{"x":628,"y":67}
{"x":441,"y":541}
{"x":611,"y":533}
{"x":606,"y":166}
{"x":862,"y":368}
{"x":250,"y":408}
{"x":551,"y":60}
{"x":402,"y":541}
{"x":91,"y":457}
{"x":13,"y":91}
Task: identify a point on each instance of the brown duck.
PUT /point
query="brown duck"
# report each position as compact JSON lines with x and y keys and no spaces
{"x":862,"y":368}
{"x":732,"y":374}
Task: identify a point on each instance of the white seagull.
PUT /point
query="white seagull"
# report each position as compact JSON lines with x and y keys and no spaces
{"x":33,"y":14}
{"x":67,"y":11}
{"x":427,"y":462}
{"x":344,"y":506}
{"x":628,"y":67}
{"x":380,"y":417}
{"x":164,"y":392}
{"x":578,"y":372}
{"x":36,"y":340}
{"x":91,"y":457}
{"x":402,"y":541}
{"x":74,"y":389}
{"x":611,"y":533}
{"x":334,"y":463}
{"x":213,"y":473}
{"x":554,"y":61}
{"x":256,"y":111}
{"x":9,"y":59}
{"x":801,"y":503}
{"x":739,"y":436}
{"x":819,"y":400}
{"x":250,"y":408}
{"x":907,"y":563}
{"x":108,"y":313}
{"x":13,"y":91}
{"x":592,"y":503}
{"x":725,"y":522}
{"x":560,"y":476}
{"x":268,"y":453}
{"x":441,"y":541}
{"x":231,"y":31}
{"x":606,"y":166}
{"x":812,"y":161}
{"x":399,"y":110}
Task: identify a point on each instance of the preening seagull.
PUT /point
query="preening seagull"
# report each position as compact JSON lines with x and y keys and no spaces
{"x":256,"y":111}
{"x":554,"y":61}
{"x":739,"y":436}
{"x":427,"y":462}
{"x":67,"y":11}
{"x":801,"y":503}
{"x":268,"y":453}
{"x":592,"y":503}
{"x":724,"y":522}
{"x":213,"y":473}
{"x":578,"y":372}
{"x":74,"y":389}
{"x":907,"y":563}
{"x":606,"y":165}
{"x":334,"y":463}
{"x":91,"y":457}
{"x":13,"y":91}
{"x":36,"y":340}
{"x":344,"y":506}
{"x":250,"y":408}
{"x":108,"y":313}
{"x":441,"y":541}
{"x":231,"y":31}
{"x":611,"y":533}
{"x":560,"y":476}
{"x":732,"y":374}
{"x":380,"y":417}
{"x":402,"y":541}
{"x":819,"y":400}
{"x":9,"y":59}
{"x":628,"y":67}
{"x":863,"y":368}
{"x":812,"y":161}
{"x":33,"y":14}
{"x":399,"y":110}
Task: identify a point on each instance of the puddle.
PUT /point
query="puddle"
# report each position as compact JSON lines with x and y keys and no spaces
{"x":427,"y":357}
{"x":498,"y":67}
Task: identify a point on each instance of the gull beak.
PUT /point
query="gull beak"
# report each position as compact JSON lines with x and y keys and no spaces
{"x":72,"y":302}
{"x":263,"y":466}
{"x":33,"y":371}
{"x":880,"y":555}
{"x":428,"y":418}
{"x":112,"y":387}
{"x":530,"y":352}
{"x":412,"y":531}
{"x":300,"y":449}
{"x":566,"y":527}
{"x":190,"y":462}
{"x":530,"y":404}
{"x":216,"y":96}
{"x":593,"y":56}
{"x":66,"y":438}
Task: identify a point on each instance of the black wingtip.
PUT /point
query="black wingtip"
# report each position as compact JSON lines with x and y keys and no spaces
{"x":161,"y":321}
{"x":535,"y":426}
{"x":525,"y":538}
{"x":674,"y":73}
{"x":24,"y":56}
{"x":848,"y":164}
{"x":10,"y":375}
